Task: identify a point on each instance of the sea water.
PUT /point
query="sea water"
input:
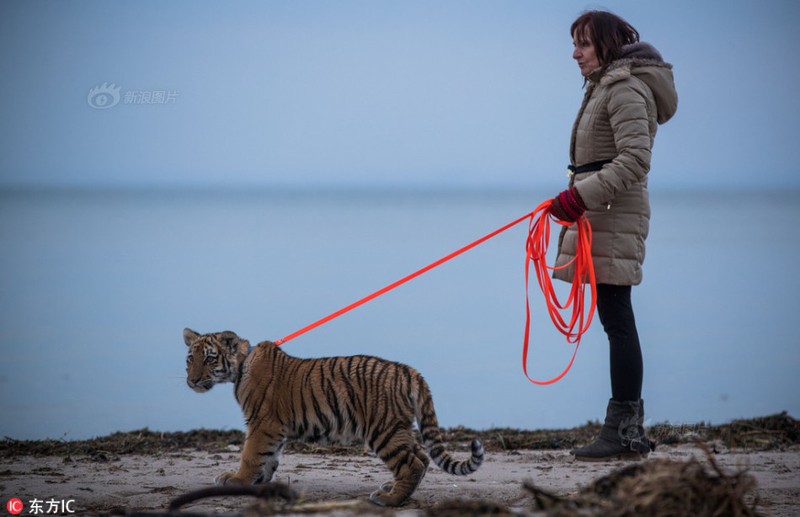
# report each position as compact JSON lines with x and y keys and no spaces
{"x":97,"y":286}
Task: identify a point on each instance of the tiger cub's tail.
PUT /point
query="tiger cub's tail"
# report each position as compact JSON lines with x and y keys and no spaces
{"x":432,"y":437}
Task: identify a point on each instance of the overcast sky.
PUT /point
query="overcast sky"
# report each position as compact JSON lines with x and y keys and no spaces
{"x":376,"y":93}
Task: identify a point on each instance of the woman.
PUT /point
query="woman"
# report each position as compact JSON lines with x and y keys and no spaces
{"x":629,"y":91}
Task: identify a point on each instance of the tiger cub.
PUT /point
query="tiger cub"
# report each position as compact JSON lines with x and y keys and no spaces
{"x":347,"y":400}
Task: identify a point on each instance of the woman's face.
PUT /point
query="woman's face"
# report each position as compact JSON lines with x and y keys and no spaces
{"x":584,"y":52}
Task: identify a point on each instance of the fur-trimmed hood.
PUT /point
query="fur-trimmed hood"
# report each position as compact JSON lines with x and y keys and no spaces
{"x":644,"y":61}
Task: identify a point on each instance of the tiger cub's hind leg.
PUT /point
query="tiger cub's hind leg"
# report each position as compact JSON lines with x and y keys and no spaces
{"x":408,"y":463}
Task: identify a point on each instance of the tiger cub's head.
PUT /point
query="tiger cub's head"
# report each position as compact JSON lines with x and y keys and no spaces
{"x":213,"y":358}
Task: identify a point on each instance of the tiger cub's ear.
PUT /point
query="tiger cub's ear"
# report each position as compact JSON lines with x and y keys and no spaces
{"x":189,"y":336}
{"x":230,"y":339}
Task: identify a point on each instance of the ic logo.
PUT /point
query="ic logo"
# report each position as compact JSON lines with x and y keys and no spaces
{"x":14,"y":506}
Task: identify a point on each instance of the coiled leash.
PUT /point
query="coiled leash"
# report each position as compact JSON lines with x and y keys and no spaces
{"x":536,"y":248}
{"x":537,"y":244}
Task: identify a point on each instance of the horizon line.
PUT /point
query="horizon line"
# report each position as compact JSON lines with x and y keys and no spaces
{"x":356,"y":187}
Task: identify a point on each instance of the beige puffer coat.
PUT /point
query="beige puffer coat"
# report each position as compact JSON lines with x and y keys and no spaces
{"x":617,"y":121}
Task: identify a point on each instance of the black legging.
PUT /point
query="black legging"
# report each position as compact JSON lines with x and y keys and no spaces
{"x":616,"y":315}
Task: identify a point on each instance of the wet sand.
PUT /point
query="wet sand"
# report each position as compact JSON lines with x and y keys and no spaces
{"x":339,"y":483}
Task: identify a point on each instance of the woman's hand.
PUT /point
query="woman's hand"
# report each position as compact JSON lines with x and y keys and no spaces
{"x":568,"y":206}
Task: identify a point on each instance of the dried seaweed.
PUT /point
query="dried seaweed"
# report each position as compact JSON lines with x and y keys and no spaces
{"x":775,"y":432}
{"x":659,"y":487}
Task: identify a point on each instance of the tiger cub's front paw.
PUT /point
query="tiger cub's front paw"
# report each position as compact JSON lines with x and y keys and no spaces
{"x":228,"y":478}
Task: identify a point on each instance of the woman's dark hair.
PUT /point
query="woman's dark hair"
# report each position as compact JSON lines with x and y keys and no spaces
{"x":607,"y":31}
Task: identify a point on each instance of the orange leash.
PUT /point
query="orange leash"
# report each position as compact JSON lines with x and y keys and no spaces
{"x":537,"y":244}
{"x":402,"y":281}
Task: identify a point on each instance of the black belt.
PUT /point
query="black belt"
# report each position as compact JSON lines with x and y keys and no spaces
{"x":589,"y":167}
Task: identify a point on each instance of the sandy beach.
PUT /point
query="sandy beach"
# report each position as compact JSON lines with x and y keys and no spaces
{"x":94,"y":481}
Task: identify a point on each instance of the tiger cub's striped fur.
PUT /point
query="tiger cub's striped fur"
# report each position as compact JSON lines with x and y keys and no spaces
{"x":355,"y":399}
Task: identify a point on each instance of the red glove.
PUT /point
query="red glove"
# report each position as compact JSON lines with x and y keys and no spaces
{"x":568,"y":206}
